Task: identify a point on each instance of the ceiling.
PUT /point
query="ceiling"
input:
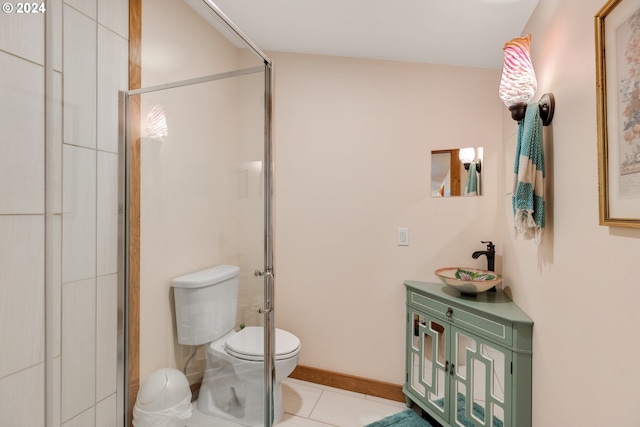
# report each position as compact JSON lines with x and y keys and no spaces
{"x":453,"y":32}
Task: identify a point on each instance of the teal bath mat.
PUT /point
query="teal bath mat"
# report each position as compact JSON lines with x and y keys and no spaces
{"x":409,"y":418}
{"x":406,"y":418}
{"x":477,"y":410}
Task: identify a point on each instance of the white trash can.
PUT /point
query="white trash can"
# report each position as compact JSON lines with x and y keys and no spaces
{"x":164,"y":400}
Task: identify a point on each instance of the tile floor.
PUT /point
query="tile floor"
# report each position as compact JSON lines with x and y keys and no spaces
{"x":312,"y":405}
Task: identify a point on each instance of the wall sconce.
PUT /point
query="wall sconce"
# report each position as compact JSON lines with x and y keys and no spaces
{"x":468,"y":155}
{"x":156,"y":123}
{"x":518,"y":83}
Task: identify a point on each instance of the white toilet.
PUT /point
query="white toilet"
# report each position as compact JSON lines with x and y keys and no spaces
{"x":233,"y":385}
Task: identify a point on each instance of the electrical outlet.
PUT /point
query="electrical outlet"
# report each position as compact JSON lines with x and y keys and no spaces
{"x":403,"y":236}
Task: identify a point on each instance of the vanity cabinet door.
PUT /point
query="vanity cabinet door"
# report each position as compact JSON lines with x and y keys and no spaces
{"x":428,"y":363}
{"x":482,"y":382}
{"x":460,"y":378}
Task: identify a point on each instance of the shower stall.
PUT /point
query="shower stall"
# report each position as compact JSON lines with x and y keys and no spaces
{"x":196,"y":186}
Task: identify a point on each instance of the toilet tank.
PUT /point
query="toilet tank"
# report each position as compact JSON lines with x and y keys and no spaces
{"x":206,"y":303}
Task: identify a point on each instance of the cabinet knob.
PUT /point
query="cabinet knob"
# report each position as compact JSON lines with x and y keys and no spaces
{"x":450,"y":312}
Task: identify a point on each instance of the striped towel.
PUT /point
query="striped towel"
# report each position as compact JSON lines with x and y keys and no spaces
{"x":472,"y":181}
{"x":528,"y":187}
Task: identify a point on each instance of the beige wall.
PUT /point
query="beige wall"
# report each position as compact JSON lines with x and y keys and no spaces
{"x":352,"y":147}
{"x":580,"y":285}
{"x":362,"y":130}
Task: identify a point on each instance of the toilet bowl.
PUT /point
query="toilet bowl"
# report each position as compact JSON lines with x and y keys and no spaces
{"x":233,"y":385}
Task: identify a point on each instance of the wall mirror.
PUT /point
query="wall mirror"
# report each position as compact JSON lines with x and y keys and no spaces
{"x":456,"y":172}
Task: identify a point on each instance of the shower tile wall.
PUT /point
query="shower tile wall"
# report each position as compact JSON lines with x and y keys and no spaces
{"x":75,"y":230}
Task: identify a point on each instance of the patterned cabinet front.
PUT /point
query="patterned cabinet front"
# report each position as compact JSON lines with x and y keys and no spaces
{"x":468,"y":359}
{"x":428,"y":361}
{"x":481,"y":382}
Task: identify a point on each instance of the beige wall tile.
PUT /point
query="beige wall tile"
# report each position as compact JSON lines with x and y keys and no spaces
{"x":22,"y":398}
{"x":113,"y":62}
{"x":85,"y":419}
{"x":114,"y":14}
{"x":79,"y":217}
{"x":87,"y":7}
{"x":54,"y":150}
{"x":22,"y":147}
{"x":106,"y":335}
{"x":79,"y":62}
{"x":21,"y":292}
{"x":78,"y":347}
{"x":107,"y":214}
{"x":22,"y":34}
{"x":106,"y":412}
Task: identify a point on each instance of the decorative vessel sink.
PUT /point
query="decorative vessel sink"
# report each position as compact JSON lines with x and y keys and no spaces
{"x":468,"y":280}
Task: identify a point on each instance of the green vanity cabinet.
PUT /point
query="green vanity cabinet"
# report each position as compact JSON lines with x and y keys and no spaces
{"x":468,"y":357}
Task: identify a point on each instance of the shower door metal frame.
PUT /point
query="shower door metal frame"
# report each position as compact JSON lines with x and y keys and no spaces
{"x":267,"y":271}
{"x":269,"y":279}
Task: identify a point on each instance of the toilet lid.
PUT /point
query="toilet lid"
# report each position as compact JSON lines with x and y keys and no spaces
{"x":248,"y":344}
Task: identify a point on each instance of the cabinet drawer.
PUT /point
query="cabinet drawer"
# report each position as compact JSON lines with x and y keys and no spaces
{"x":497,"y":331}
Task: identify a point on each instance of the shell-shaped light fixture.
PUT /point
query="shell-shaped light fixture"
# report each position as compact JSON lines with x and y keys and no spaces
{"x":518,"y":83}
{"x":156,"y":123}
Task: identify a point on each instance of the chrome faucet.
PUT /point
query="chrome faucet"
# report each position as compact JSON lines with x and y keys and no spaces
{"x":490,"y":253}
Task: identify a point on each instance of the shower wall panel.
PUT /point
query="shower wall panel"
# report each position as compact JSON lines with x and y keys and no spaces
{"x":55,"y":253}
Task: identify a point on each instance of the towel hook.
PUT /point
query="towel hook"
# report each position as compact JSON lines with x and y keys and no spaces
{"x":547,"y":104}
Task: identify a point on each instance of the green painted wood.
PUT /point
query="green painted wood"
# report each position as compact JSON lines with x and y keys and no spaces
{"x":492,"y":319}
{"x":497,"y":330}
{"x":496,"y":306}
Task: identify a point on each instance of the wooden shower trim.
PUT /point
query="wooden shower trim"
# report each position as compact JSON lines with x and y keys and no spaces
{"x":135,"y":82}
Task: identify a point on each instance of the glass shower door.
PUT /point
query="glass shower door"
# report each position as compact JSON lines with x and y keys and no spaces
{"x":204,"y":191}
{"x":202,"y":149}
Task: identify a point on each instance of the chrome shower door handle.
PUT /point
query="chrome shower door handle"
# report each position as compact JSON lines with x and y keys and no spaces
{"x":266,"y":272}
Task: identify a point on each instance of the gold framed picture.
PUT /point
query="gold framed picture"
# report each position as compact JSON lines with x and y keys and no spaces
{"x":618,"y":102}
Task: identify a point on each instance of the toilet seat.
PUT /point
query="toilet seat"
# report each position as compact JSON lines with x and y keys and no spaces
{"x":248,"y":344}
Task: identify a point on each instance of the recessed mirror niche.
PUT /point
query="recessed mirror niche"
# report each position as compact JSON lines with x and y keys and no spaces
{"x":456,"y":172}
